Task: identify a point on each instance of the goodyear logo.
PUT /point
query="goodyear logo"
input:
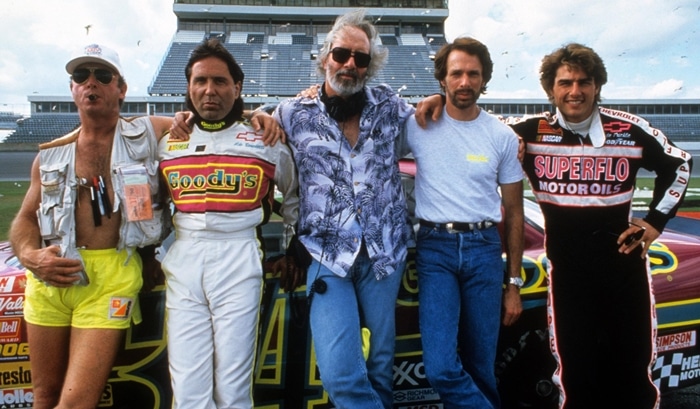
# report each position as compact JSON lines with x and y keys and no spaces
{"x":120,"y":308}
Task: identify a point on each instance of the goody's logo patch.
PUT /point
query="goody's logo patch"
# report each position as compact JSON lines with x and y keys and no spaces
{"x":120,"y":308}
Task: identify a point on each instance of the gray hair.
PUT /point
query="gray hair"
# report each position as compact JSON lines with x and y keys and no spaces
{"x":358,"y":19}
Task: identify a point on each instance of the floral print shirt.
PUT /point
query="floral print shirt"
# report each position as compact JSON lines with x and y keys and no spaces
{"x":350,"y":195}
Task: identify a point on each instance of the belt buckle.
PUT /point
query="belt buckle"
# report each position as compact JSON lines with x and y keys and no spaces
{"x":450,"y":228}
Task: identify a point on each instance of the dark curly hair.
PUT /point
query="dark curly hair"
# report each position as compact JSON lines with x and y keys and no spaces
{"x":577,"y":56}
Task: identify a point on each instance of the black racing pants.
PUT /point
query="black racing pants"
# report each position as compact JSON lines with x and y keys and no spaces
{"x":602,"y":321}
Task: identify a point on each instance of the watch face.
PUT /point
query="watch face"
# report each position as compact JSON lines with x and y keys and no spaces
{"x":516,"y":281}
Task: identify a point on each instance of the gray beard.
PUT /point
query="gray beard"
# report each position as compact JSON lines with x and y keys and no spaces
{"x":344,"y":88}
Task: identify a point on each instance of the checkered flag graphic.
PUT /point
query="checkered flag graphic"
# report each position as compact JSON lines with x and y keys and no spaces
{"x":664,"y":374}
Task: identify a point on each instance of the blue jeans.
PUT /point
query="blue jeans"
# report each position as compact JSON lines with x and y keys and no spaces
{"x":460,"y":279}
{"x":358,"y":299}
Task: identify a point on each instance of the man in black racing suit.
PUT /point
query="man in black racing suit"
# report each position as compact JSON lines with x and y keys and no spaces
{"x":582,"y":164}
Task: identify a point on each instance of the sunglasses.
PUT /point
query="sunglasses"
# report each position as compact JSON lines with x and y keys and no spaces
{"x":102,"y":75}
{"x":342,"y":55}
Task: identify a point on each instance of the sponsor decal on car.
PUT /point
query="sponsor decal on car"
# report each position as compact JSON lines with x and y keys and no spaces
{"x":681,"y":340}
{"x":676,"y":370}
{"x":16,"y":398}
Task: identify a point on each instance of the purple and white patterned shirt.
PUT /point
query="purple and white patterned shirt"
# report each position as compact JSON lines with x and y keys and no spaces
{"x":350,"y":195}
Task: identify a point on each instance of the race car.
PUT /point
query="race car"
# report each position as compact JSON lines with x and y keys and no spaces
{"x":286,"y":375}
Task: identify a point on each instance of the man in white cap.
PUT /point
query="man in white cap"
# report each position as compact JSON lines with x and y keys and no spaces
{"x":93,"y":201}
{"x":86,"y":232}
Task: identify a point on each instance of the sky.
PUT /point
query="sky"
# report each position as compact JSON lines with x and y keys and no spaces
{"x":651,"y":48}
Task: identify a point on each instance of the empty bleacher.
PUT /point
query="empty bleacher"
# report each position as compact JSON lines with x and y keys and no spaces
{"x":284,"y":64}
{"x":43,"y":128}
{"x":678,"y":128}
{"x":8,"y":120}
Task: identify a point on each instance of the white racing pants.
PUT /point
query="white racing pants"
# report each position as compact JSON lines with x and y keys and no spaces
{"x":213,"y":295}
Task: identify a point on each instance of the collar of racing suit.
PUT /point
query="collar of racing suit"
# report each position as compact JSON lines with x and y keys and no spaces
{"x":595,"y":127}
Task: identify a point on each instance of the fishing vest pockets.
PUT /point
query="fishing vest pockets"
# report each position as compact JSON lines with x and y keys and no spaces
{"x":137,"y":141}
{"x":55,"y":212}
{"x":136,"y":186}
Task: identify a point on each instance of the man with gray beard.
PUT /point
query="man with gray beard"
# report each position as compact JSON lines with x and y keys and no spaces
{"x":353,"y":218}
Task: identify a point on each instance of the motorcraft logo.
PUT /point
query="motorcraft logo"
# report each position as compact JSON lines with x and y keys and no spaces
{"x":673,"y":371}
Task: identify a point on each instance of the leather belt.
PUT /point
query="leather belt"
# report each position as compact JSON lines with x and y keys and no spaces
{"x":457,"y":227}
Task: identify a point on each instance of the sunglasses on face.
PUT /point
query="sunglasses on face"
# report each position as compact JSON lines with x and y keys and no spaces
{"x":342,"y":55}
{"x":102,"y":75}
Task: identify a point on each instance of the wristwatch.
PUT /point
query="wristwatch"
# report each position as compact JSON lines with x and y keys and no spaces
{"x":516,"y":281}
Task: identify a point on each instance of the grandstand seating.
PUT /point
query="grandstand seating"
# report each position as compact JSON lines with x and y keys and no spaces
{"x":8,"y":120}
{"x":284,"y":64}
{"x":43,"y":128}
{"x":678,"y":128}
{"x":280,"y":65}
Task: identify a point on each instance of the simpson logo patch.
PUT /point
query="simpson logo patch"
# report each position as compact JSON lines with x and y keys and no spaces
{"x":681,"y":340}
{"x":120,"y":308}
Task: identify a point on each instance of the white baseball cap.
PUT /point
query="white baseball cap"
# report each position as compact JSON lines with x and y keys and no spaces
{"x":97,"y":54}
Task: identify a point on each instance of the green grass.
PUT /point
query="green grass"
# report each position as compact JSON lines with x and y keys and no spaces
{"x":12,"y":193}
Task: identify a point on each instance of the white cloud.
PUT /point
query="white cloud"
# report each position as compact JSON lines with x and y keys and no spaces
{"x":649,"y":47}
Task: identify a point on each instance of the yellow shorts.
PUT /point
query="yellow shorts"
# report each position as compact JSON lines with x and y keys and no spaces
{"x":109,"y":301}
